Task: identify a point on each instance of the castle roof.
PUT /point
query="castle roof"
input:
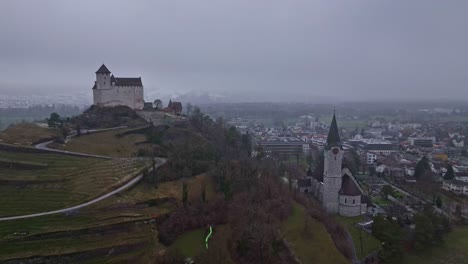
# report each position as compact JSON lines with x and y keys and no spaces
{"x":103,"y":69}
{"x":126,"y":81}
{"x":333,"y":139}
{"x":348,"y":187}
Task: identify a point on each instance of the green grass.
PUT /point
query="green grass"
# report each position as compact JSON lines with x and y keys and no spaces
{"x":191,"y":243}
{"x":454,"y":251}
{"x":314,"y":245}
{"x":369,"y":242}
{"x":380,"y":201}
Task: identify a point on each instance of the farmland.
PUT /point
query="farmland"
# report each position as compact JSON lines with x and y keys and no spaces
{"x":58,"y":181}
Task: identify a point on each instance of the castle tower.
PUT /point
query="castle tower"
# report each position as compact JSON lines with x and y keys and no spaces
{"x":103,"y":78}
{"x":332,"y":169}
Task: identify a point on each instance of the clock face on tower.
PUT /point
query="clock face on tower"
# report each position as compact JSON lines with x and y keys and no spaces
{"x":335,"y":151}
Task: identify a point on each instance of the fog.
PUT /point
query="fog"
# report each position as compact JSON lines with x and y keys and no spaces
{"x":243,"y":50}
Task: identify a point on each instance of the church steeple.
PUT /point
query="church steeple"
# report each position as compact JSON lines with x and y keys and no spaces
{"x":333,"y":162}
{"x":333,"y":139}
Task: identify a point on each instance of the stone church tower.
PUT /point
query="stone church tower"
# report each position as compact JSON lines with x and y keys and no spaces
{"x":332,"y":169}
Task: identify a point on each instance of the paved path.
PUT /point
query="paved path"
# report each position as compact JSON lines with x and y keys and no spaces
{"x":160,"y":162}
{"x":43,"y":146}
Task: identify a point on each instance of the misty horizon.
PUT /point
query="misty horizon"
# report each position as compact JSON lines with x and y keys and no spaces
{"x":240,"y":50}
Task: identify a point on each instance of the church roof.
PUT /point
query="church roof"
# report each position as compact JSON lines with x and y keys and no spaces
{"x":333,"y":139}
{"x":348,"y":187}
{"x":103,"y":69}
{"x":126,"y":81}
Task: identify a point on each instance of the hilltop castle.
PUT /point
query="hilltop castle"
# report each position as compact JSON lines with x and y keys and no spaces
{"x":336,"y":188}
{"x":112,"y":91}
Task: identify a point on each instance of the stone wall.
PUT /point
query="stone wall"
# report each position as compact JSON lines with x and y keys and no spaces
{"x":350,"y":210}
{"x":131,"y":96}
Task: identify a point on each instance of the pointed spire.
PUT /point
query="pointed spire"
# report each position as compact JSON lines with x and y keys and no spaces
{"x":333,"y":139}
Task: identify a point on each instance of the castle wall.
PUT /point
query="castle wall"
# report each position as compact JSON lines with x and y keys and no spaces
{"x":131,"y":96}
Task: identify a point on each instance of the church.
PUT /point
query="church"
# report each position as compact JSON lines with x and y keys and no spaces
{"x":112,"y":91}
{"x":336,"y":188}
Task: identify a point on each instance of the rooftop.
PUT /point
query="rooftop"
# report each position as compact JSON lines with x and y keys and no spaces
{"x":103,"y":69}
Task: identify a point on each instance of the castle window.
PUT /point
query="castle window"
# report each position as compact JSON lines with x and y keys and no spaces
{"x":354,"y":201}
{"x":345,"y":200}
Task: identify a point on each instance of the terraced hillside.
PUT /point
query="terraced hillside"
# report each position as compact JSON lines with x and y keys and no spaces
{"x":115,"y":143}
{"x":38,"y":182}
{"x":119,"y":229}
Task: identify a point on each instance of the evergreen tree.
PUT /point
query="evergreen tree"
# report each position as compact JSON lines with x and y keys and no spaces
{"x":438,"y":202}
{"x":387,"y":190}
{"x":450,"y":174}
{"x":390,"y":234}
{"x":423,"y":169}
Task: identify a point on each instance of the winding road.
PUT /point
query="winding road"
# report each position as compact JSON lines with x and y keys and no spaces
{"x":43,"y":146}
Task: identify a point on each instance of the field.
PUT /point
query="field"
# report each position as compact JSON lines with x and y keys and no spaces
{"x":107,"y":143}
{"x":309,"y":239}
{"x":369,"y":242}
{"x":27,"y":133}
{"x":454,"y":251}
{"x":60,"y":180}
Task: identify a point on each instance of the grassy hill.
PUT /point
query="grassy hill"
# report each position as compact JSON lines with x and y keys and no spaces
{"x":106,"y":117}
{"x":309,"y":239}
{"x":454,"y":250}
{"x":252,"y":214}
{"x":27,"y":134}
{"x":106,"y":143}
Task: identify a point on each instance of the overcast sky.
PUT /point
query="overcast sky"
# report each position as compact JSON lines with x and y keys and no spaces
{"x":255,"y":50}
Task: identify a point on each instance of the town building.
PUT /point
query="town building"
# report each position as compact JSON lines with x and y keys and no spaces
{"x":113,"y":91}
{"x":173,"y":108}
{"x":456,"y":186}
{"x":284,"y":146}
{"x":426,"y":142}
{"x":376,"y":146}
